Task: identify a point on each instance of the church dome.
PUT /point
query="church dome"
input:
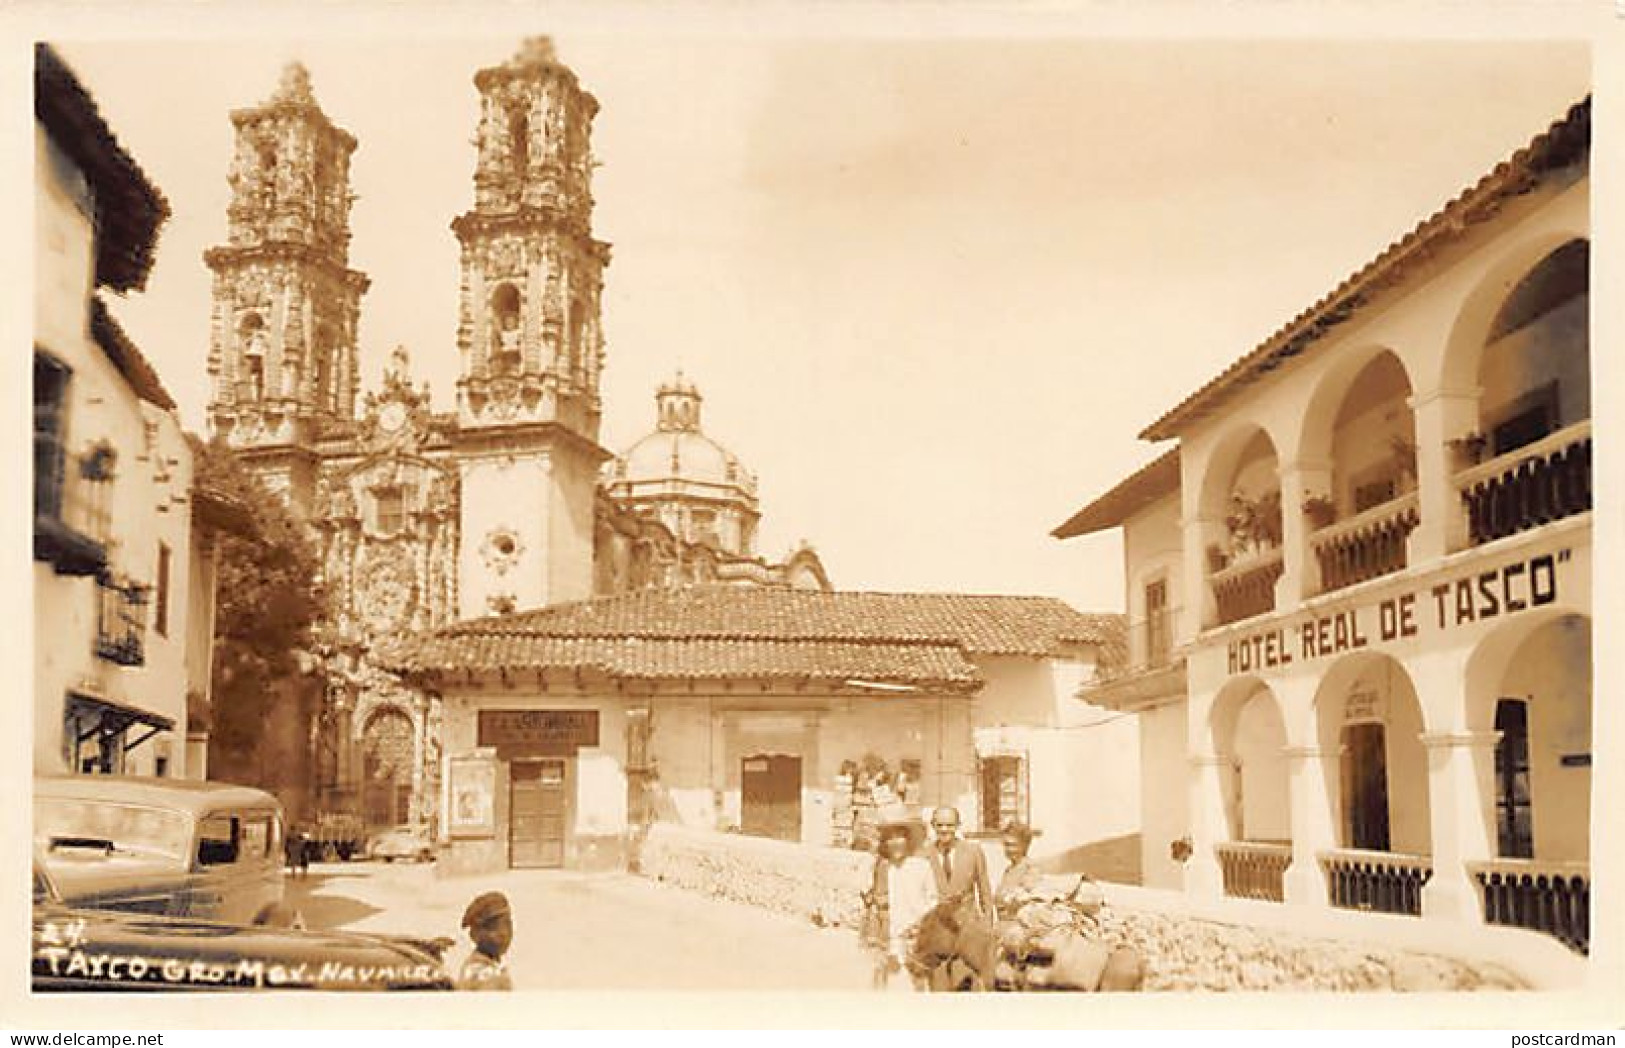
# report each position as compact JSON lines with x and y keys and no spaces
{"x":679,"y":454}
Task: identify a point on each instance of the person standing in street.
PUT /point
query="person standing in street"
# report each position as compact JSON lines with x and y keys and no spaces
{"x":960,"y":867}
{"x":489,"y":920}
{"x":904,"y":892}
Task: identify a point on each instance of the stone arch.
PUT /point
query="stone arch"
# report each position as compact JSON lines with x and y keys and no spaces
{"x":1246,"y":727}
{"x":1482,"y":306}
{"x":1357,"y":423}
{"x":1367,"y":711}
{"x":1245,"y":454}
{"x":1542,"y":661}
{"x":388,"y":765}
{"x":506,"y":326}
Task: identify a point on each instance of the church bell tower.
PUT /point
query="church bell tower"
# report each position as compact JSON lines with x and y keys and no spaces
{"x":282,"y":343}
{"x":529,"y":340}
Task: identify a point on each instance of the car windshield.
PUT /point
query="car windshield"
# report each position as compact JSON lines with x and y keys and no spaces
{"x":126,"y":827}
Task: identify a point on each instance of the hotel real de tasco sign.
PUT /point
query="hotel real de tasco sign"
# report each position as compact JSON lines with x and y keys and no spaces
{"x":1436,"y":607}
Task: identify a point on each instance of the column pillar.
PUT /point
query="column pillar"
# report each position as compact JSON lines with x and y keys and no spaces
{"x":1209,"y":825}
{"x":1300,"y":578}
{"x":1198,"y":533}
{"x":1312,"y":773}
{"x":1440,"y":416}
{"x":1461,"y":782}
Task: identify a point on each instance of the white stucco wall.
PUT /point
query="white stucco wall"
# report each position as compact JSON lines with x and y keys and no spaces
{"x":148,"y":505}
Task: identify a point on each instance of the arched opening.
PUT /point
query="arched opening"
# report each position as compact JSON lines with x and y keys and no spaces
{"x":1530,"y":681}
{"x":387,"y":749}
{"x":1243,"y":489}
{"x":1368,"y":434}
{"x":1249,"y":734}
{"x":1530,"y":458}
{"x":255,"y":343}
{"x":519,"y":139}
{"x":1535,"y":371}
{"x":1367,"y":711}
{"x":505,"y":328}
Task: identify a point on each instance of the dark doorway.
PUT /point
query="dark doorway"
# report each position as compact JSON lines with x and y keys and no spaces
{"x":770,"y":796}
{"x":536,"y":814}
{"x":1365,"y":786}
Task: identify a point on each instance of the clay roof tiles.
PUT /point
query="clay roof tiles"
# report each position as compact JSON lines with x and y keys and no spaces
{"x":723,"y":632}
{"x":129,"y":208}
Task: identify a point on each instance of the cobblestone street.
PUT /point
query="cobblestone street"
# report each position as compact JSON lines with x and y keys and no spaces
{"x":607,"y":931}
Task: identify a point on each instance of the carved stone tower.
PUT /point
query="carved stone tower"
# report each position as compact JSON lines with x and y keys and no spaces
{"x":282,"y":346}
{"x":529,"y":339}
{"x":528,"y":329}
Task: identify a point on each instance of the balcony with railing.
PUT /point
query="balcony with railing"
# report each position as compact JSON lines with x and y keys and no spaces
{"x":1549,"y":897}
{"x":72,"y":499}
{"x":1366,"y":546}
{"x":1536,"y":484}
{"x":1246,"y":587}
{"x":1384,"y":882}
{"x":122,"y":621}
{"x":1254,"y":869}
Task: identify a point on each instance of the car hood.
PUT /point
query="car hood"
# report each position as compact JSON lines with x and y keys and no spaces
{"x":94,"y":949}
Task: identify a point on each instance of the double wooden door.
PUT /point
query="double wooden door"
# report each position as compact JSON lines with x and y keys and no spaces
{"x":537,"y":813}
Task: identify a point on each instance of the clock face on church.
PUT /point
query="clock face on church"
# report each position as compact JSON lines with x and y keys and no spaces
{"x":392,"y":417}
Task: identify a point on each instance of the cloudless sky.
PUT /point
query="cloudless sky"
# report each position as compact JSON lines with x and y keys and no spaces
{"x":930,"y":288}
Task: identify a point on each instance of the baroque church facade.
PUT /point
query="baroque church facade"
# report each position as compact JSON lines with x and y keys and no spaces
{"x":425,"y":518}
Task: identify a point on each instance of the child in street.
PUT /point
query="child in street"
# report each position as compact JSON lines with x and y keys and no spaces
{"x":489,"y":920}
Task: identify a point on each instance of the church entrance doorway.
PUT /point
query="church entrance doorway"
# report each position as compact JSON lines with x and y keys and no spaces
{"x":770,"y":796}
{"x":537,"y":812}
{"x":386,"y":785}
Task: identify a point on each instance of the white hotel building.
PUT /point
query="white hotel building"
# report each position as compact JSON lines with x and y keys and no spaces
{"x":1359,"y":586}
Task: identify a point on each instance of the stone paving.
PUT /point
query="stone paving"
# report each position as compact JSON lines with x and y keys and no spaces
{"x":602,"y":931}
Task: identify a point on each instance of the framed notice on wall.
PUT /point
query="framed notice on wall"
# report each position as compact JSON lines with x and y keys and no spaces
{"x":473,"y":796}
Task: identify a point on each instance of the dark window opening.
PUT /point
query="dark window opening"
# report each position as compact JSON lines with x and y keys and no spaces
{"x":519,"y":140}
{"x":160,"y":612}
{"x":1004,"y":791}
{"x":1514,"y":806}
{"x":1529,"y":418}
{"x":50,"y":434}
{"x":1158,"y":634}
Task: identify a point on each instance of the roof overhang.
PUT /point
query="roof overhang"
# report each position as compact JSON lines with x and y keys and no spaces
{"x":1149,"y":484}
{"x":1563,"y":146}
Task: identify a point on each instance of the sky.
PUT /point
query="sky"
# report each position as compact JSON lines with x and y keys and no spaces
{"x":930,"y":287}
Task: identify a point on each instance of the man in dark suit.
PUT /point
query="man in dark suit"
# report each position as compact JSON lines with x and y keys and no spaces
{"x":960,"y":866}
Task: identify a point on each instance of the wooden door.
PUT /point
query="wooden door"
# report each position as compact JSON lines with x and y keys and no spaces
{"x":770,"y":796}
{"x":536,"y":813}
{"x":1365,"y":785}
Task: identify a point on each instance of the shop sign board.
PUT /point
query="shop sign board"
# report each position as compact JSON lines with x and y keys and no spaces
{"x":540,"y":732}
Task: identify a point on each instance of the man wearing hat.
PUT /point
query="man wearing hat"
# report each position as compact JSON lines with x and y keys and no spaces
{"x":904,"y":892}
{"x":489,"y":920}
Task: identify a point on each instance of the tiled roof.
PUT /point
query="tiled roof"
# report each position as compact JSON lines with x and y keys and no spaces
{"x":129,"y":208}
{"x":722,"y":632}
{"x":1151,"y":482}
{"x":127,"y":357}
{"x":1564,"y":144}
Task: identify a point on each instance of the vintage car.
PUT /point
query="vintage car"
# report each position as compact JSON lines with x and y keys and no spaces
{"x":205,"y":850}
{"x":411,"y":843}
{"x":103,"y":950}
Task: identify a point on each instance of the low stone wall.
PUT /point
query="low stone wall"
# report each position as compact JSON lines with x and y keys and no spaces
{"x":1189,"y":945}
{"x":803,"y":880}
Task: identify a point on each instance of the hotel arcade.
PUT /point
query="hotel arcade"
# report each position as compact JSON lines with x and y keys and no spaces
{"x":1359,"y":586}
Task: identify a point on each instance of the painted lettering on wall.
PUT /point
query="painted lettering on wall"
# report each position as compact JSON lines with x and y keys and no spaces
{"x":1505,"y":590}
